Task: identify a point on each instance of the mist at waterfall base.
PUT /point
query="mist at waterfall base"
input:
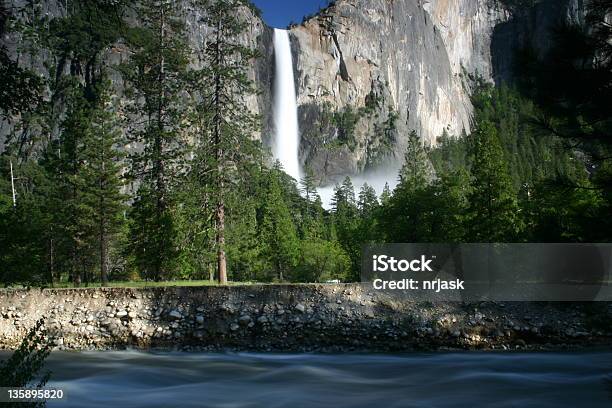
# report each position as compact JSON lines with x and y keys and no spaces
{"x":286,"y":140}
{"x":132,"y":379}
{"x":376,"y":178}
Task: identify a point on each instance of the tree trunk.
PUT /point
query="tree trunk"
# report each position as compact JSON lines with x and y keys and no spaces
{"x":51,"y":263}
{"x":158,"y":165}
{"x":221,"y":262}
{"x":76,"y":272}
{"x":220,"y":213}
{"x":211,"y":273}
{"x":103,"y":261}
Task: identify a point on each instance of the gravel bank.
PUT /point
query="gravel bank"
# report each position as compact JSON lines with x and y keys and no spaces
{"x":328,"y":318}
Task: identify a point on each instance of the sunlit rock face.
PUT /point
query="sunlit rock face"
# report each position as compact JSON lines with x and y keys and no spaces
{"x":399,"y":65}
{"x":467,"y":27}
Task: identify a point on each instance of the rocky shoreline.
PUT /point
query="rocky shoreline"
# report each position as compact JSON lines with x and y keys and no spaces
{"x":325,"y":318}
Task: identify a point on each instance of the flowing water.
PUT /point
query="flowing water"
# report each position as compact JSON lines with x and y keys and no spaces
{"x":287,"y":136}
{"x":139,"y":379}
{"x":286,"y":140}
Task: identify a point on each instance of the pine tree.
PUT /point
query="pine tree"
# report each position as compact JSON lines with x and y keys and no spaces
{"x":413,"y":174}
{"x":312,"y":216}
{"x":101,"y":180}
{"x":493,"y":213}
{"x":225,"y":123}
{"x":368,"y":211}
{"x":278,"y":231}
{"x":448,"y":200}
{"x":156,"y":75}
{"x":402,"y":218}
{"x":385,"y":196}
{"x":346,"y":223}
{"x":66,"y":161}
{"x":344,"y":197}
{"x":314,"y":225}
{"x":309,"y":185}
{"x":367,"y":200}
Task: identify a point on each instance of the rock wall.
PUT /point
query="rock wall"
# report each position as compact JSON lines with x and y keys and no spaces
{"x":382,"y":59}
{"x":292,"y":318}
{"x":467,"y":28}
{"x":530,"y":28}
{"x":32,"y":55}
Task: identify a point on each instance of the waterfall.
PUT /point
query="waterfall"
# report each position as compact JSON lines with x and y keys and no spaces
{"x":286,"y":137}
{"x":286,"y":140}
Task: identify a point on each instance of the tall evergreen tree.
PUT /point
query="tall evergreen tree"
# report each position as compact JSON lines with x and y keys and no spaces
{"x":368,"y":213}
{"x":278,"y":231}
{"x":413,"y":174}
{"x":309,"y":185}
{"x":156,"y":76}
{"x":403,"y":217}
{"x":344,"y":197}
{"x":346,"y":222}
{"x":101,"y":178}
{"x":493,"y":213}
{"x":85,"y":202}
{"x":67,"y":159}
{"x":226,"y":125}
{"x":447,"y":199}
{"x":367,"y":200}
{"x":312,"y":225}
{"x":385,"y":196}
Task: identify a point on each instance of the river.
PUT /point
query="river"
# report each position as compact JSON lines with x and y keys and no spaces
{"x":468,"y":379}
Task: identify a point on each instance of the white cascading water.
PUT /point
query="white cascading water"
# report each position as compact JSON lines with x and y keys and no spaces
{"x":286,"y":141}
{"x":287,"y":136}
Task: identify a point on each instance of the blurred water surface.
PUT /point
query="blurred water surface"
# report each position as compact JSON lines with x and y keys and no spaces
{"x":148,"y":379}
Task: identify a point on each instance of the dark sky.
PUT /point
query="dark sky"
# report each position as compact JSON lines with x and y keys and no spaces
{"x":278,"y":13}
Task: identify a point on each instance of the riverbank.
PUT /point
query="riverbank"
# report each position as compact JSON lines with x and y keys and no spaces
{"x":327,"y":318}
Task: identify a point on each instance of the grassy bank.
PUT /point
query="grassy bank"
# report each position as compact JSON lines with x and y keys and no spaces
{"x":141,"y":284}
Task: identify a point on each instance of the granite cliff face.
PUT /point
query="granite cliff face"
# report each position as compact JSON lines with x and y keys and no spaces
{"x":371,"y":71}
{"x":398,"y":65}
{"x":368,"y":72}
{"x":381,"y":69}
{"x":531,"y":28}
{"x":34,"y":56}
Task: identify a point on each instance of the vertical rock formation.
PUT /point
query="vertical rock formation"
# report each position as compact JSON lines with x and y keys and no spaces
{"x":371,"y":71}
{"x":530,"y":28}
{"x":467,"y":27}
{"x":257,"y":36}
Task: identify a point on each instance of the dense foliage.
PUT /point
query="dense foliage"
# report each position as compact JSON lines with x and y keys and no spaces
{"x":167,"y":181}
